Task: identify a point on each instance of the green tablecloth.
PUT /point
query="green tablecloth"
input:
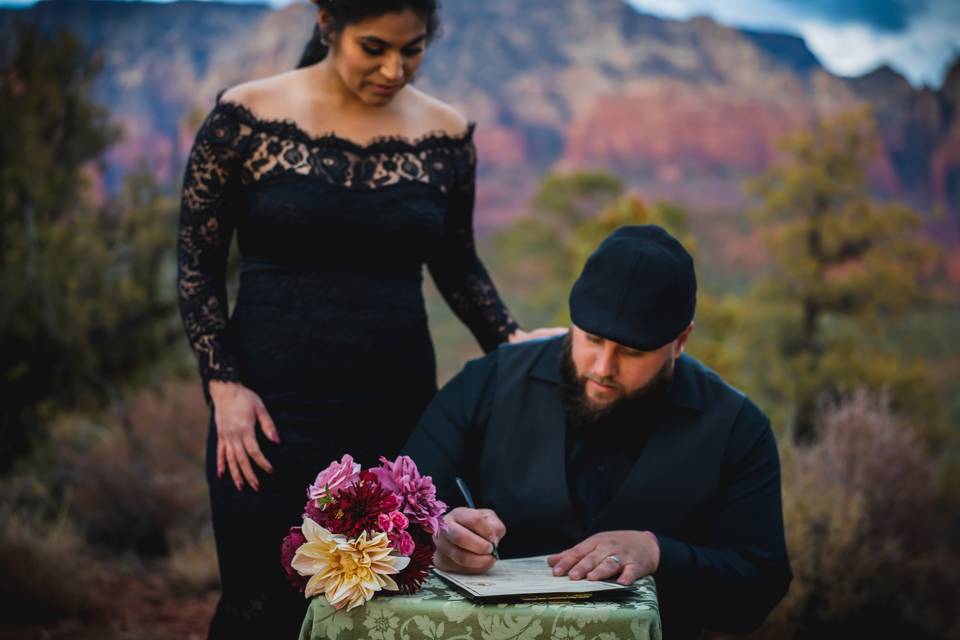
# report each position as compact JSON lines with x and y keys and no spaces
{"x":437,"y":612}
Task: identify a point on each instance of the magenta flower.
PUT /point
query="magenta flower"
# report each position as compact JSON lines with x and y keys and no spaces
{"x":335,"y":477}
{"x":418,"y":495}
{"x":400,"y":521}
{"x":402,"y":542}
{"x":288,"y":549}
{"x":394,"y":521}
{"x":385,"y":523}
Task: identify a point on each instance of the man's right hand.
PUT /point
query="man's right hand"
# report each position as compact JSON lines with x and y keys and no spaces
{"x":237,"y":411}
{"x":467,"y":544}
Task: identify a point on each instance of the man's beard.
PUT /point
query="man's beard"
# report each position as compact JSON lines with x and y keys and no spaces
{"x":584,"y":412}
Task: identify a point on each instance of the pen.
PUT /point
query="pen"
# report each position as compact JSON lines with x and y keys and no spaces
{"x":468,"y":498}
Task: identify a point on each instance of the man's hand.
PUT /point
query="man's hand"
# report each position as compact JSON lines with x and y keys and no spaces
{"x":638,"y":552}
{"x":467,"y":544}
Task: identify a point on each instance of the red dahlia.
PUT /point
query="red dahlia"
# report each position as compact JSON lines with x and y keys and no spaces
{"x":355,"y":509}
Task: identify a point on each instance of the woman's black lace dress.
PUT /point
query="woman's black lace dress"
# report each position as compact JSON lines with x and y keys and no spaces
{"x":329,"y":327}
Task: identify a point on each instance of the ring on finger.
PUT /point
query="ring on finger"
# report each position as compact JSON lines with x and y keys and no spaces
{"x":616,"y":559}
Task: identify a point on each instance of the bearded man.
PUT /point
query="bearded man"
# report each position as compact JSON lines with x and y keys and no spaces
{"x":616,"y":452}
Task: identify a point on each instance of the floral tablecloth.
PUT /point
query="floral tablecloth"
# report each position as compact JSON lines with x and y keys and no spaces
{"x":437,"y":612}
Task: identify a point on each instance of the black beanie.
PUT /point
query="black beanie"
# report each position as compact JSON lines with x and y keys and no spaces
{"x":638,"y":289}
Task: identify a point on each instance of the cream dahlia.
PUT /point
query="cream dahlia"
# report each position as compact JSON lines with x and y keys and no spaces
{"x":347,"y":572}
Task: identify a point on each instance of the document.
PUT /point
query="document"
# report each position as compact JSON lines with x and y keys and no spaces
{"x":526,"y":580}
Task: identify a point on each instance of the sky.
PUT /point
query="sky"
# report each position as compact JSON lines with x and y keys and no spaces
{"x":918,"y":38}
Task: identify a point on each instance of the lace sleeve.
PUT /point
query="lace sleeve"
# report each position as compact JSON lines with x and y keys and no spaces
{"x":204,"y":234}
{"x":460,"y":276}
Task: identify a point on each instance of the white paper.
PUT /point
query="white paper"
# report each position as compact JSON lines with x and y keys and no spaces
{"x":524,"y":577}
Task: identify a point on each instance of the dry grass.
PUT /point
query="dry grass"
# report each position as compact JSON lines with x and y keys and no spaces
{"x":45,"y":569}
{"x":192,"y":567}
{"x":119,"y":543}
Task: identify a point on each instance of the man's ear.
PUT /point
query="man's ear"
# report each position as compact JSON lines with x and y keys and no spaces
{"x":681,"y":342}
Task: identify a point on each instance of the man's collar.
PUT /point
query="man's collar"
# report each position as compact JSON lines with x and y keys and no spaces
{"x":547,"y":367}
{"x":684,"y":391}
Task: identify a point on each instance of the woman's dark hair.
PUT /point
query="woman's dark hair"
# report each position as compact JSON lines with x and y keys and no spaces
{"x":344,"y":12}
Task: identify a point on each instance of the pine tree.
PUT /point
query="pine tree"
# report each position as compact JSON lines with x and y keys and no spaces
{"x":86,"y":302}
{"x":842,"y":265}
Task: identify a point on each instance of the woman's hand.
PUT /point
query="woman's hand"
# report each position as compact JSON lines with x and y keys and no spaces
{"x":236,"y":410}
{"x":547,"y":332}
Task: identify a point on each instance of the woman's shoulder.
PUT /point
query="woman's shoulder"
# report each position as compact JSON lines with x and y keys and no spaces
{"x":260,"y":95}
{"x":442,"y":117}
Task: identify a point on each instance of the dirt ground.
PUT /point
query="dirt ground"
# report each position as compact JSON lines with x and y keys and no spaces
{"x":129,"y":608}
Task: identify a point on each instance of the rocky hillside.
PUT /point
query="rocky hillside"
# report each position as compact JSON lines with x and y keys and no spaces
{"x":680,"y":109}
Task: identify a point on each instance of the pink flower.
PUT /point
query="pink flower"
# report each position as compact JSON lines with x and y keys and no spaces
{"x":417,"y":492}
{"x":402,"y":542}
{"x":335,"y":477}
{"x":400,"y":521}
{"x":405,"y":544}
{"x":392,"y":521}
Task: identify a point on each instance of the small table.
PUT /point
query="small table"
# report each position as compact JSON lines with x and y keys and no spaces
{"x":438,"y":612}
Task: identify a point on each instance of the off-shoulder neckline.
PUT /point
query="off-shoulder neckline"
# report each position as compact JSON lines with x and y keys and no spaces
{"x":287,"y":127}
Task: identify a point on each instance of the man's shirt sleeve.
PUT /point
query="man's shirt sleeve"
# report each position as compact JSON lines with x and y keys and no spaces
{"x":448,"y":438}
{"x":741,"y":572}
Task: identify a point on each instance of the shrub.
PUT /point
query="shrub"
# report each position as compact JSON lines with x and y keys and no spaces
{"x":141,"y":480}
{"x":861,"y":524}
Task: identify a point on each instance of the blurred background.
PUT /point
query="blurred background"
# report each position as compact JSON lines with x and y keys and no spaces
{"x":807,"y":153}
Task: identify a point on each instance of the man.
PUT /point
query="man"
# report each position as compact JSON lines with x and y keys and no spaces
{"x":616,"y":452}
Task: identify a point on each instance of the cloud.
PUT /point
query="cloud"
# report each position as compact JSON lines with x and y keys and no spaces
{"x":922,"y":53}
{"x":919,"y":38}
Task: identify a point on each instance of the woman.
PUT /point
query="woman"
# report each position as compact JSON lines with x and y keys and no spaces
{"x":341,"y":181}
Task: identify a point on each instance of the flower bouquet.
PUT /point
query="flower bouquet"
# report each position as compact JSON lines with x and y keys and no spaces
{"x":364,"y":531}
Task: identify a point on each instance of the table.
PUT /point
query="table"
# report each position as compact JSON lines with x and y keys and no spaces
{"x":437,"y":612}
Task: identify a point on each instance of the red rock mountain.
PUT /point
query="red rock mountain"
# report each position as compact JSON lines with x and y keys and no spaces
{"x":679,"y":109}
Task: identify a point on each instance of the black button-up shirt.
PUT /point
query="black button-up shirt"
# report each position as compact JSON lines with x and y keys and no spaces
{"x":601,"y":454}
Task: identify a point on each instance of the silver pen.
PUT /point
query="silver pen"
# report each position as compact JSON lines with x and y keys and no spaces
{"x":468,"y":498}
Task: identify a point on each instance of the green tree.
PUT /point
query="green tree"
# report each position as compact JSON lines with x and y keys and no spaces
{"x":842,"y":265}
{"x":87,"y":298}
